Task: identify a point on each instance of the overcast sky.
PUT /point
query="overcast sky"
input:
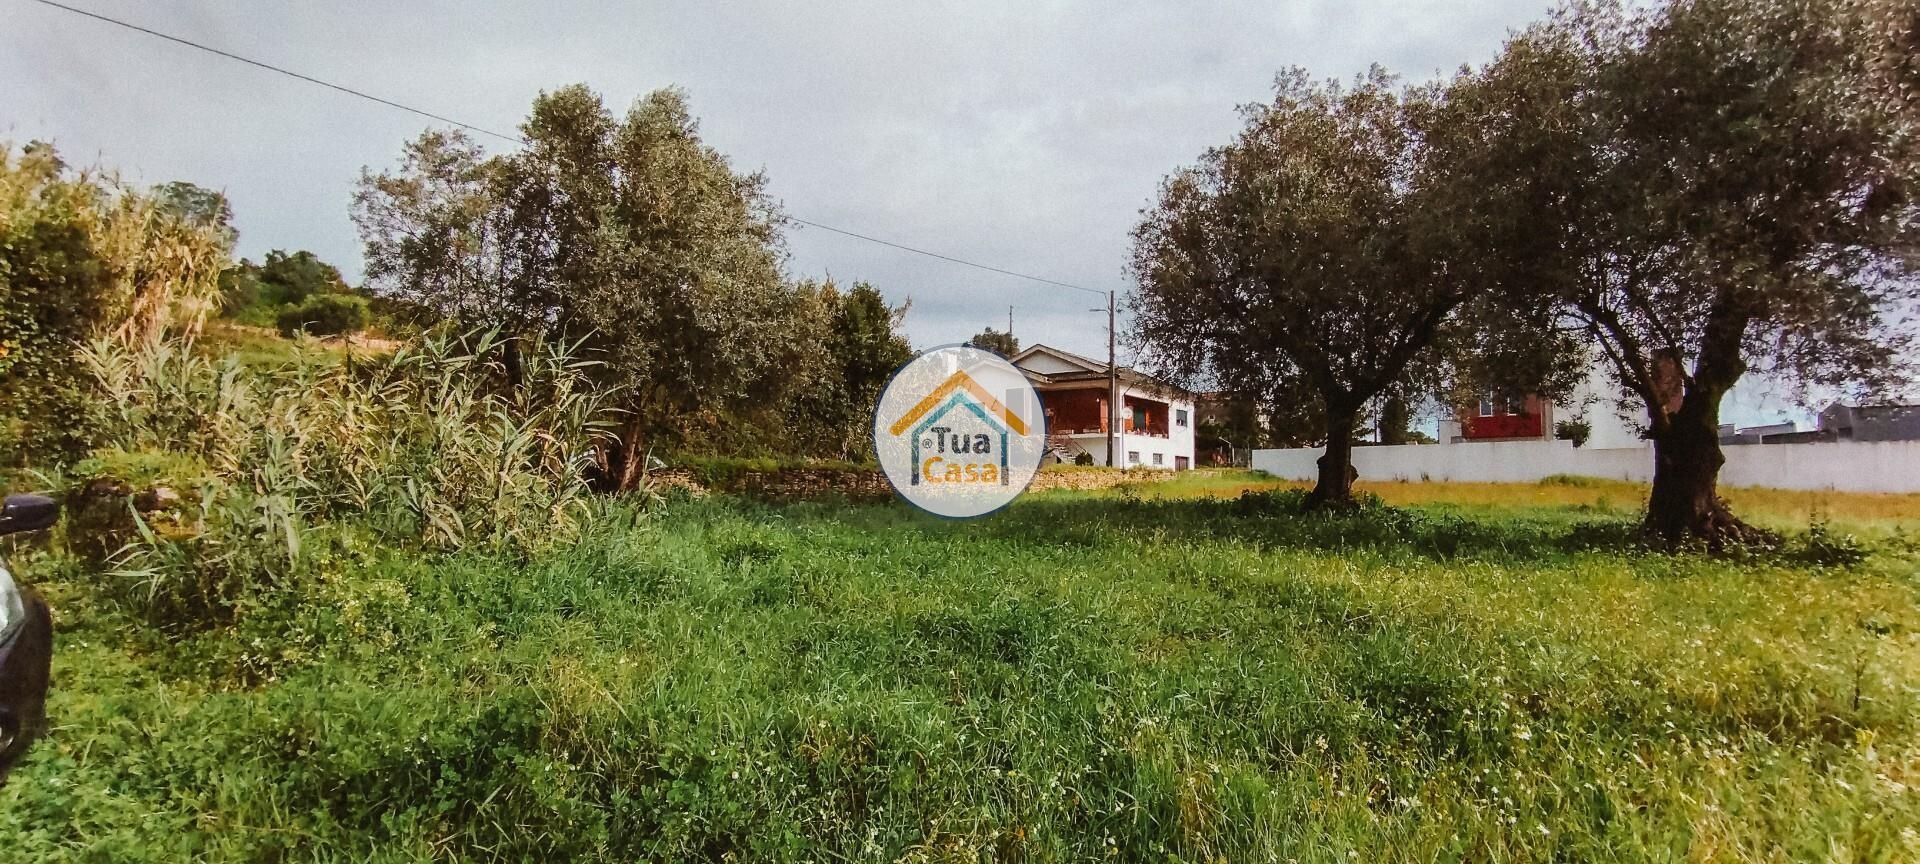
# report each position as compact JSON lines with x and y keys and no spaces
{"x":1026,"y":136}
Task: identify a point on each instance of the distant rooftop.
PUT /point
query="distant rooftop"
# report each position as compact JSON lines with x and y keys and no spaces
{"x":1090,"y":369}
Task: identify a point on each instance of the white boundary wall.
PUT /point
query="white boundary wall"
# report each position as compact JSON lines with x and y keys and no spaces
{"x":1848,"y":466}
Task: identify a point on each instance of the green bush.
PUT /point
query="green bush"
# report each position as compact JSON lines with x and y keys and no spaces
{"x":326,"y":315}
{"x":1577,"y":431}
{"x":1821,"y":546}
{"x":83,"y":257}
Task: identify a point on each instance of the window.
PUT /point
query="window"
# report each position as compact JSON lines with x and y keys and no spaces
{"x":1486,"y":405}
{"x":1140,"y":417}
{"x":1159,"y":459}
{"x":1516,"y":404}
{"x":1180,"y":418}
{"x":1133,"y":457}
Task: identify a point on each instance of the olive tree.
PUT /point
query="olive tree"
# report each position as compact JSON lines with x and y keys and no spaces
{"x":1317,"y":258}
{"x":1716,"y":186}
{"x":431,"y":236}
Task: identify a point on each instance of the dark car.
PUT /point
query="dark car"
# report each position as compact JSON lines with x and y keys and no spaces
{"x":26,"y":639}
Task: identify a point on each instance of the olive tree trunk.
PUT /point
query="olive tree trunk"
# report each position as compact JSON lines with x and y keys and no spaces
{"x":1685,"y":505}
{"x":1334,"y":487}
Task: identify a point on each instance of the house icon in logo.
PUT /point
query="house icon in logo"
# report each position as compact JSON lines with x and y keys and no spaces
{"x":930,"y":452}
{"x":946,"y":434}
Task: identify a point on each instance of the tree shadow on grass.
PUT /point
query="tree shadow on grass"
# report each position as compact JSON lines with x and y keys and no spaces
{"x":1280,"y":519}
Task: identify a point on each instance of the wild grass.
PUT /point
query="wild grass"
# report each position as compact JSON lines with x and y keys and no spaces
{"x":1785,"y":509}
{"x":1082,"y":677}
{"x":261,"y":347}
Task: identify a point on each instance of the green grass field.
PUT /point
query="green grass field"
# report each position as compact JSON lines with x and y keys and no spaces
{"x":1157,"y":673}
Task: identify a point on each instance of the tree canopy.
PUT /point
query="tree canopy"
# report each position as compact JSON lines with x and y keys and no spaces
{"x":1315,"y":256}
{"x":199,"y":207}
{"x":861,"y":346}
{"x":1715,"y":186}
{"x":1003,"y":344}
{"x":258,"y":293}
{"x":627,"y":233}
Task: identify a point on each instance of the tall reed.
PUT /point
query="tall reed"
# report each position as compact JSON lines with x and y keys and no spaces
{"x":430,"y":445}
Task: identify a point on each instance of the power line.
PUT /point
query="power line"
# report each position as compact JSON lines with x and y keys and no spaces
{"x":942,"y":257}
{"x":512,"y":138}
{"x":272,"y":68}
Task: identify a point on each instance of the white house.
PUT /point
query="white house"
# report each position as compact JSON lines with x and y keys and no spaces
{"x":1157,"y":418}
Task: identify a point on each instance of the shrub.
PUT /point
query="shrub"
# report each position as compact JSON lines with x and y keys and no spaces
{"x":1084,"y":459}
{"x":326,"y":315}
{"x":1577,"y":431}
{"x":1822,"y":547}
{"x":1576,"y":481}
{"x":84,"y":257}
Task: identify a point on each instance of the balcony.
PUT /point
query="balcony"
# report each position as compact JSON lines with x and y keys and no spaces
{"x":1083,"y":414}
{"x":1501,"y":426}
{"x":1129,"y":431}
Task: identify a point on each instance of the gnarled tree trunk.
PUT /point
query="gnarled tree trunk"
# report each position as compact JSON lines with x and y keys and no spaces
{"x":1334,"y":487}
{"x":1685,"y":505}
{"x":622,"y":463}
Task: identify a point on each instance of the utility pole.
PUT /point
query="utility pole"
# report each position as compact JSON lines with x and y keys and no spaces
{"x":1009,"y":320}
{"x":1113,"y":392}
{"x":1113,"y":386}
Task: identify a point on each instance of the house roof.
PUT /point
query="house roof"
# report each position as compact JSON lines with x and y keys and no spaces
{"x":960,"y":400}
{"x":1872,"y":408}
{"x":1090,"y":370}
{"x":1089,"y":363}
{"x":958,"y":383}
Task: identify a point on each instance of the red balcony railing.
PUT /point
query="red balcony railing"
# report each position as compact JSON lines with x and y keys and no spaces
{"x":1502,"y":426}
